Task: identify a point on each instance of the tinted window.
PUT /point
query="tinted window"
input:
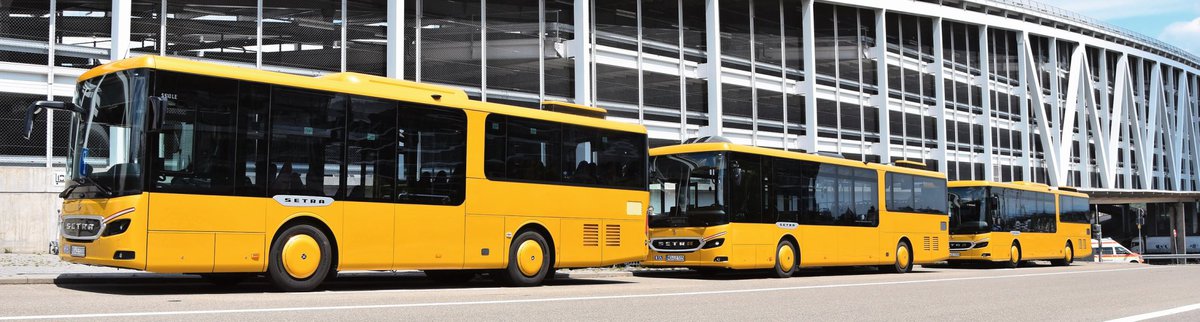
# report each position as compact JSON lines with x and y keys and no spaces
{"x":529,"y":150}
{"x":1073,"y":210}
{"x":306,"y":142}
{"x":602,"y":157}
{"x":900,"y":192}
{"x":910,"y":193}
{"x":252,"y":139}
{"x":792,"y":189}
{"x":370,"y":145}
{"x":745,"y":188}
{"x":811,"y":193}
{"x":195,"y":147}
{"x":432,"y":155}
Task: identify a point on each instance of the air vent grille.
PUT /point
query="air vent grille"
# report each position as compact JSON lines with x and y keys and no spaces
{"x":612,"y":235}
{"x":932,"y":243}
{"x":591,"y":235}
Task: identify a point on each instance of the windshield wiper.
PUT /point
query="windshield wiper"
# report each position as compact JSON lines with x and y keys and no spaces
{"x":82,"y":181}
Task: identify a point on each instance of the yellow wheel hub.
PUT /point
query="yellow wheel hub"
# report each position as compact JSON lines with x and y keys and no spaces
{"x":1014,"y":255}
{"x":902,"y":257}
{"x":301,"y":256}
{"x":1067,"y":254}
{"x":786,"y":257}
{"x":529,"y":258}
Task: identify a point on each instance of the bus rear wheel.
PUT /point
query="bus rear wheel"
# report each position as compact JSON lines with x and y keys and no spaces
{"x":785,"y":260}
{"x":1068,"y":257}
{"x":300,"y":259}
{"x":904,"y":259}
{"x":528,"y":261}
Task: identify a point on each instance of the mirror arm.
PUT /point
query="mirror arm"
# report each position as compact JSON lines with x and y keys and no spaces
{"x":38,"y":106}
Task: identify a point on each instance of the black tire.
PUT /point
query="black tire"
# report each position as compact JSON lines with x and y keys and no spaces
{"x":897,"y":266}
{"x":225,"y":279}
{"x":1014,"y":263}
{"x":450,"y":276}
{"x":512,"y":275}
{"x":778,"y":271}
{"x":1065,"y":261}
{"x":278,"y":273}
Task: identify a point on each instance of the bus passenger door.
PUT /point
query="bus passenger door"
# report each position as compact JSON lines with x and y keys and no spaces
{"x":429,"y":236}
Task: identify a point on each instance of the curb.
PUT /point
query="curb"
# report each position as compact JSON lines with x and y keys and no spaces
{"x":124,"y":278}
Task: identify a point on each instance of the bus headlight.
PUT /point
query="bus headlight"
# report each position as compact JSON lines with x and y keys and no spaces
{"x":116,"y":227}
{"x":714,"y":243}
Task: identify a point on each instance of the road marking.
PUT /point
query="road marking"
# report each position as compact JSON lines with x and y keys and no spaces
{"x":1158,"y":314}
{"x":560,"y":299}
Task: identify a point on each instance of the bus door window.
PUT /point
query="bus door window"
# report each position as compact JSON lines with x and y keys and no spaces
{"x":432,"y":154}
{"x":195,"y":147}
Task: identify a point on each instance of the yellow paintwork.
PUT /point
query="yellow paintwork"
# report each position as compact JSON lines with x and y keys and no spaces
{"x":301,"y":256}
{"x":902,"y":254}
{"x":529,"y":258}
{"x":752,"y":245}
{"x":1033,"y":246}
{"x":183,"y":233}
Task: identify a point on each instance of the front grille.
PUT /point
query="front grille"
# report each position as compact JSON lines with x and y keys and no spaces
{"x":612,"y":235}
{"x":81,"y":227}
{"x":591,"y":235}
{"x":676,"y":244}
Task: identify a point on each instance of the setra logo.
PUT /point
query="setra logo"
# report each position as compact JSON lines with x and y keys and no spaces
{"x":303,"y":201}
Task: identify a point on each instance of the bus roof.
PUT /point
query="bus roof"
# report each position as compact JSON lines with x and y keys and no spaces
{"x":723,"y":146}
{"x":356,"y":84}
{"x":1019,"y":185}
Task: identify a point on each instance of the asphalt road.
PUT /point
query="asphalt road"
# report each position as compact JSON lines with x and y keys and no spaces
{"x":1082,"y":292}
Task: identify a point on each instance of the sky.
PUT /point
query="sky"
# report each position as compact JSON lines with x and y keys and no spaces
{"x":1176,"y":22}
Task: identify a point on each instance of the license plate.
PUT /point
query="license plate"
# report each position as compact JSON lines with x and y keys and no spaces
{"x":953,"y":254}
{"x":78,"y":251}
{"x":674,"y":258}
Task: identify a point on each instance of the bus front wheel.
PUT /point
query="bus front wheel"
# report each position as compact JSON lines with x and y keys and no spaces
{"x":1014,"y":256}
{"x":528,"y":260}
{"x":785,"y":259}
{"x":904,"y":259}
{"x":300,"y":259}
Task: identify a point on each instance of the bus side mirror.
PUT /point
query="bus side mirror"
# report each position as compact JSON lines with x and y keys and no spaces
{"x":157,"y":112}
{"x":37,"y":108}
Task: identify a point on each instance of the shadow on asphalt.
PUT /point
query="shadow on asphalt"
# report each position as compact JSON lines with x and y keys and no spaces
{"x":761,"y":274}
{"x":263,"y":285}
{"x":990,"y":265}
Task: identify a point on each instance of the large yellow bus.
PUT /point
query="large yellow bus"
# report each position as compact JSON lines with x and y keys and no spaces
{"x":189,"y":167}
{"x":1010,"y":223}
{"x":717,"y":205}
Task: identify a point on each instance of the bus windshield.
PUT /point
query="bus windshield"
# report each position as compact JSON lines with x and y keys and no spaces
{"x":968,"y":214}
{"x":106,"y":141}
{"x":686,"y":190}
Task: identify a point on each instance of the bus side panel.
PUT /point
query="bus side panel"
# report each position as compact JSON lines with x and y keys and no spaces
{"x":857,"y":245}
{"x":429,"y":236}
{"x":586,"y":234}
{"x":818,"y":246}
{"x":184,"y":212}
{"x":629,"y":244}
{"x":368,"y":240}
{"x":484,"y":241}
{"x":1078,"y":235}
{"x":171,"y":252}
{"x":239,"y":252}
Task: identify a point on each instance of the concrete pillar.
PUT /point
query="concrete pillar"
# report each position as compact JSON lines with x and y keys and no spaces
{"x":395,"y":34}
{"x":1179,"y":224}
{"x":122,"y":12}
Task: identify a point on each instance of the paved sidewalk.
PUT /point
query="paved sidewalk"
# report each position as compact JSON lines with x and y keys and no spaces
{"x":49,"y":269}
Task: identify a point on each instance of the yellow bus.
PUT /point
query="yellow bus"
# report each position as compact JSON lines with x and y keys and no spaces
{"x":718,"y":206}
{"x":179,"y":166}
{"x":1009,"y":223}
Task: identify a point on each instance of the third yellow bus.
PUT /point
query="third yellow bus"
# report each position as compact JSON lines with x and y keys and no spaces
{"x":1010,"y":223}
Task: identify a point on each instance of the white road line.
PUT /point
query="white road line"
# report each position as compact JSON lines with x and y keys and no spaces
{"x":1158,"y":314}
{"x":561,"y":299}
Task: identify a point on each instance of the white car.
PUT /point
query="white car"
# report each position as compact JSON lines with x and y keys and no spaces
{"x":1113,"y":252}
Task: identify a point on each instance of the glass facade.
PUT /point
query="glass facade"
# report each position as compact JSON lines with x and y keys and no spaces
{"x":873,"y":84}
